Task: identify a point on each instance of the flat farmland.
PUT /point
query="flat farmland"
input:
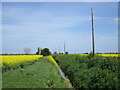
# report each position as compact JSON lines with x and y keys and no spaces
{"x":40,"y":73}
{"x":81,"y":71}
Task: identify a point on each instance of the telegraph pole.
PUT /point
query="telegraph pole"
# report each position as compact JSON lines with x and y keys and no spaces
{"x":64,"y":48}
{"x":59,"y":49}
{"x":93,"y":47}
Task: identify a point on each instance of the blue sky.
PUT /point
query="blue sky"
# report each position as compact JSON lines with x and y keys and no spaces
{"x":51,"y":24}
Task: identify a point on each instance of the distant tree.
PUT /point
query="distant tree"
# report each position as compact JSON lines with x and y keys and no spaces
{"x":60,"y":53}
{"x":45,"y":52}
{"x":66,"y":52}
{"x":38,"y":52}
{"x":27,"y":50}
{"x":55,"y":53}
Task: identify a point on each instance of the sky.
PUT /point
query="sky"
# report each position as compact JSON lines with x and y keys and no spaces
{"x":50,"y":24}
{"x":60,"y":0}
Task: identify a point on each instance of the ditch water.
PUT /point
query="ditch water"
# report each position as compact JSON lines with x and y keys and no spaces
{"x":63,"y":76}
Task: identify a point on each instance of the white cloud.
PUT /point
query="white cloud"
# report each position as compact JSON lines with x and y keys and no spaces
{"x":117,"y":19}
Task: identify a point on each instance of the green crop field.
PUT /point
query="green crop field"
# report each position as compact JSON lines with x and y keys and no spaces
{"x":89,"y":72}
{"x":80,"y":71}
{"x":41,"y":74}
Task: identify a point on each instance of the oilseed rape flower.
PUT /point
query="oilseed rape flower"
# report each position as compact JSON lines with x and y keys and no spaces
{"x":106,"y":55}
{"x":12,"y":60}
{"x":52,"y":60}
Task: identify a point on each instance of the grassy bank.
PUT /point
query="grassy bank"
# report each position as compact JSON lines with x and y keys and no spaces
{"x":42,"y":74}
{"x":89,"y":72}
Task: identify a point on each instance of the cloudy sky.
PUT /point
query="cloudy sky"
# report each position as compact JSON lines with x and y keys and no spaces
{"x":28,"y":24}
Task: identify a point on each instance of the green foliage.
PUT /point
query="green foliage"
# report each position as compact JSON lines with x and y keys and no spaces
{"x":38,"y":52}
{"x":55,"y":53}
{"x":45,"y":52}
{"x":90,"y":55}
{"x":42,"y":74}
{"x":90,"y":72}
{"x":66,"y":52}
{"x":7,"y":67}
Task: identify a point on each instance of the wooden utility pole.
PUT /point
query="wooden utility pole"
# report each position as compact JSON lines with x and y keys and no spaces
{"x":59,"y":49}
{"x":93,"y":47}
{"x":64,"y":48}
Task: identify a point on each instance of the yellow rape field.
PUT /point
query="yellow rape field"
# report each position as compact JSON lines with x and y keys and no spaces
{"x":52,"y":60}
{"x":12,"y":60}
{"x":106,"y":55}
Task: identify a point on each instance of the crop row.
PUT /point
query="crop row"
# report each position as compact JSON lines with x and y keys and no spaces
{"x":89,"y":72}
